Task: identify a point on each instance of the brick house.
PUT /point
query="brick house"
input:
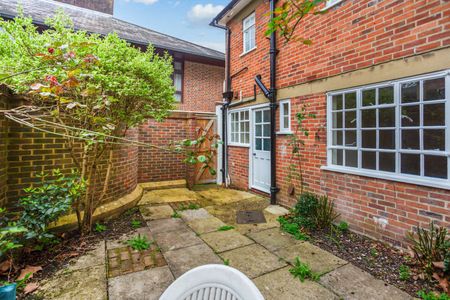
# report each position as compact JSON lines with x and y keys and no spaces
{"x":198,"y":78}
{"x":377,"y":77}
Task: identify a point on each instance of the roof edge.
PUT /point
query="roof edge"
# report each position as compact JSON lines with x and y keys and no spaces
{"x":231,"y":9}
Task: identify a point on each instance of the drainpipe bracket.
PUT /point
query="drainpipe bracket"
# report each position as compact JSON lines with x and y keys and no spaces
{"x":274,"y":189}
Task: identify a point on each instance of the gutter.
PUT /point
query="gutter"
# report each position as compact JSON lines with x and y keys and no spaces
{"x":227,"y":96}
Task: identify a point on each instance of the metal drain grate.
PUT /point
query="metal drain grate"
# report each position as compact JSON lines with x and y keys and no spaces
{"x":250,"y":217}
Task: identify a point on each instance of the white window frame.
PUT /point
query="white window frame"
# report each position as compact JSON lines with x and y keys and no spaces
{"x":239,"y":142}
{"x":285,"y":130}
{"x":247,"y":32}
{"x":331,"y":3}
{"x":397,"y":175}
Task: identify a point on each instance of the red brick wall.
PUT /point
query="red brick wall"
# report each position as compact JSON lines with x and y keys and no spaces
{"x":3,"y":153}
{"x":157,"y":165}
{"x":203,"y":87}
{"x":352,"y":35}
{"x":238,"y":166}
{"x":358,"y":199}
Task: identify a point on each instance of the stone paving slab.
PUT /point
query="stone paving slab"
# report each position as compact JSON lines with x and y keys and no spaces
{"x":92,"y":258}
{"x":281,"y":284}
{"x":86,"y":284}
{"x":119,"y":242}
{"x":319,"y":260}
{"x":202,"y":226}
{"x":273,"y":239}
{"x":276,"y":210}
{"x":185,"y":259}
{"x":156,"y":212}
{"x":221,"y":241}
{"x":253,"y":260}
{"x":148,"y":285}
{"x":271,"y":222}
{"x":168,"y":196}
{"x":171,"y":240}
{"x":225,"y":196}
{"x":164,"y":225}
{"x":350,"y":282}
{"x":194,"y":214}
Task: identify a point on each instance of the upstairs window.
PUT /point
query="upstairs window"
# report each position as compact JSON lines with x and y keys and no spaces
{"x":398,"y":130}
{"x":178,"y":79}
{"x":285,"y":116}
{"x":248,"y":30}
{"x":240,"y":128}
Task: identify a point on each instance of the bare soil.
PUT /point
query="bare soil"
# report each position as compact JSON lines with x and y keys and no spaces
{"x":376,"y":258}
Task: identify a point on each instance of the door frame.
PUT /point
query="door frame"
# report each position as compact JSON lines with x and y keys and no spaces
{"x":250,"y":149}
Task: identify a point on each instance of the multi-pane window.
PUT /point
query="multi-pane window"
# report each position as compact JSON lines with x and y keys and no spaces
{"x":262,"y":130}
{"x":398,"y":128}
{"x":240,"y":127}
{"x":248,"y":30}
{"x":178,"y":80}
{"x":285,"y":116}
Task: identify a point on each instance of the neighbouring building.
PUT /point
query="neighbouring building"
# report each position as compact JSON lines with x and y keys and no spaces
{"x":377,"y":78}
{"x":198,"y":78}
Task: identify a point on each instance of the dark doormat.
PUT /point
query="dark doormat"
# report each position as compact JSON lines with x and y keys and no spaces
{"x":250,"y":217}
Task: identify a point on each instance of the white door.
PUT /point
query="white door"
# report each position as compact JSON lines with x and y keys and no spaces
{"x":261,"y":150}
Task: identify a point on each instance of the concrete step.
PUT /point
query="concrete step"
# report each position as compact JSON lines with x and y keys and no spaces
{"x":163,"y":185}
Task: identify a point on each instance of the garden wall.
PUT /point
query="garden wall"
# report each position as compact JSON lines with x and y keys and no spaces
{"x":25,"y":152}
{"x":3,"y":151}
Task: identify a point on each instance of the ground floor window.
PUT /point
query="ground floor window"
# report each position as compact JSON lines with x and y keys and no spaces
{"x":398,"y":128}
{"x":239,"y":132}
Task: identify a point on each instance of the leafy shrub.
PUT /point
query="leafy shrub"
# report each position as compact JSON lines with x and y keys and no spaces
{"x":302,"y":271}
{"x":176,"y":215}
{"x":48,"y":201}
{"x":100,"y":227}
{"x":432,"y":296}
{"x":343,"y":226}
{"x":429,"y":245}
{"x":292,"y":228}
{"x":9,"y":234}
{"x":305,"y":210}
{"x":404,"y":272}
{"x":139,"y":243}
{"x":325,"y":214}
{"x":225,"y":228}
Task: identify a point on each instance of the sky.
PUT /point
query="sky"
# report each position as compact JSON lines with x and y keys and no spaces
{"x":184,"y":19}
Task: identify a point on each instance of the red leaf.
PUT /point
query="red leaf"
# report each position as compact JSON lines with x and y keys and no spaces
{"x":31,"y":287}
{"x":27,"y":270}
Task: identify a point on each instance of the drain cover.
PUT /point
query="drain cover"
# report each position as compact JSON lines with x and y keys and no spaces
{"x":250,"y":217}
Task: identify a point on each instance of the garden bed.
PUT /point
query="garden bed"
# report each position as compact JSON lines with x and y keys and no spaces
{"x":380,"y":260}
{"x":72,"y":245}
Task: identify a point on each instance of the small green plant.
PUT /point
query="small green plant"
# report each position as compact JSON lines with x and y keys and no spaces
{"x":225,"y":228}
{"x":135,"y":224}
{"x":176,"y":215}
{"x":192,"y":206}
{"x":10,"y":234}
{"x":302,"y":271}
{"x":226,"y":262}
{"x":292,"y":228}
{"x":100,"y":227}
{"x":404,"y":272}
{"x":373,"y":252}
{"x":429,"y":245}
{"x":48,"y":201}
{"x":139,"y":243}
{"x":305,"y":210}
{"x":432,"y":296}
{"x":325,"y":213}
{"x":343,"y":226}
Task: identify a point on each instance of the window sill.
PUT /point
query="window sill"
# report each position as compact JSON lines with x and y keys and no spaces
{"x":429,"y":182}
{"x":284,"y":132}
{"x":331,"y":5}
{"x":238,"y":145}
{"x":247,"y":52}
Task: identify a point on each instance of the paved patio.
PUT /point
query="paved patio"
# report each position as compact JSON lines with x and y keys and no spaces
{"x":262,"y":252}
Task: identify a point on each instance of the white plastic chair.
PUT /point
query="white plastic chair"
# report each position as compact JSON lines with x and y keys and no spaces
{"x":212,"y":282}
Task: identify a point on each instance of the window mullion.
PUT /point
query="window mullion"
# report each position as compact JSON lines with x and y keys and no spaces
{"x":398,"y":122}
{"x":447,"y":122}
{"x":422,"y":156}
{"x":358,"y":126}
